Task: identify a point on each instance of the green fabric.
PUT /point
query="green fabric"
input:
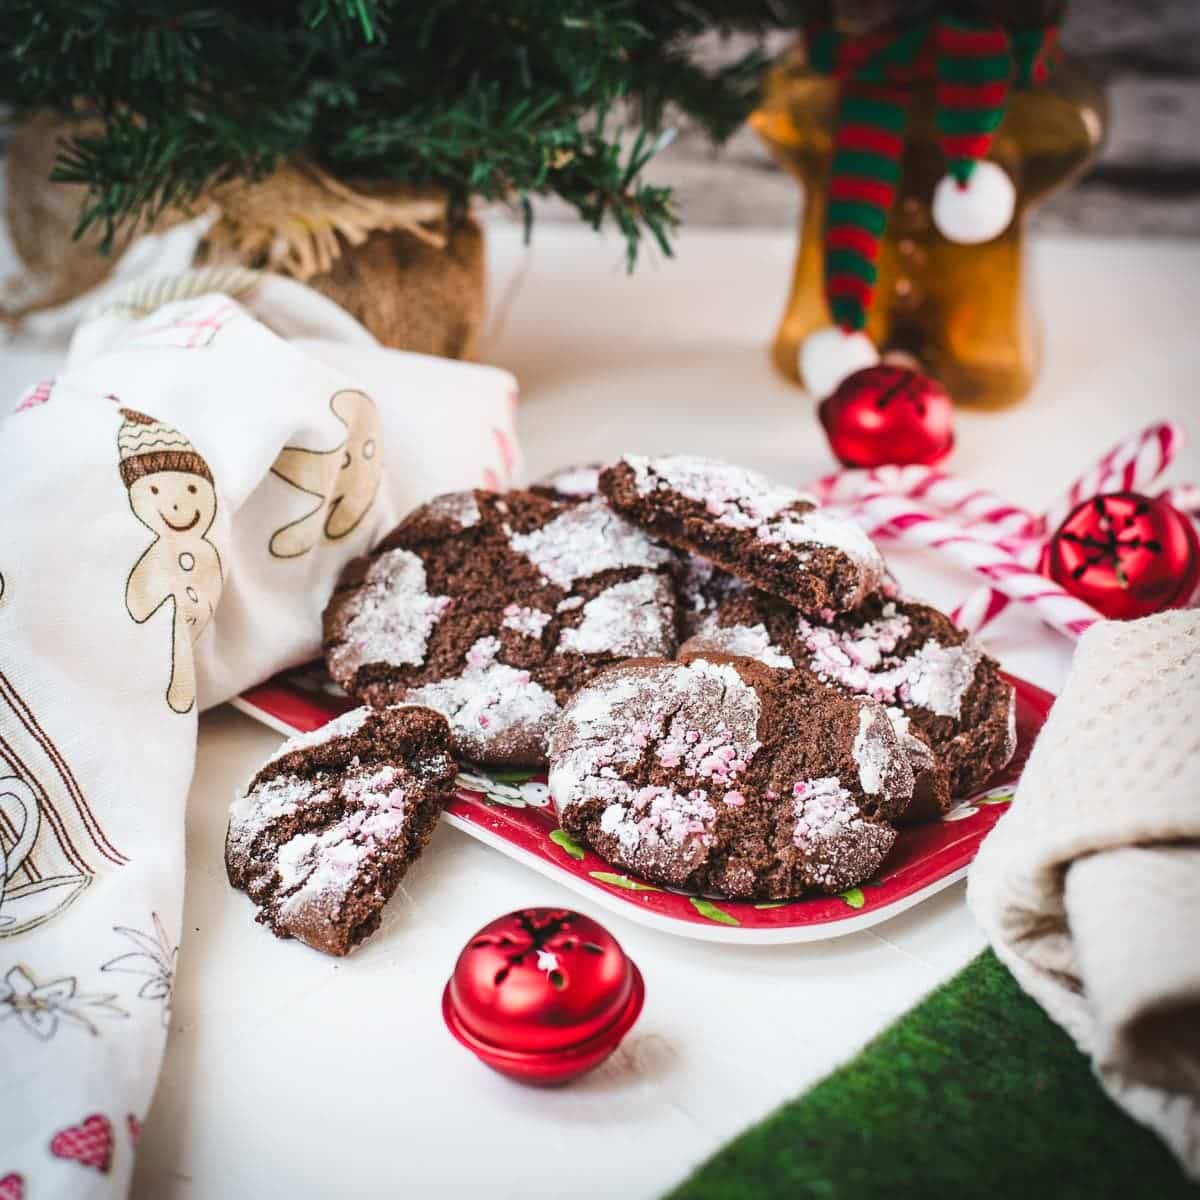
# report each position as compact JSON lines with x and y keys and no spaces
{"x":870,"y":218}
{"x":969,"y":120}
{"x":973,"y":1095}
{"x":867,"y":110}
{"x":975,"y":69}
{"x":851,"y":263}
{"x":856,"y":212}
{"x":866,"y":165}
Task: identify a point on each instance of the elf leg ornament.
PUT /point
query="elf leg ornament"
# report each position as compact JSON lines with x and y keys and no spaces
{"x":973,"y":203}
{"x":919,"y":150}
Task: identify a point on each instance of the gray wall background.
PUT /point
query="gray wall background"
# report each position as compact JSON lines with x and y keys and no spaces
{"x":1146,"y":53}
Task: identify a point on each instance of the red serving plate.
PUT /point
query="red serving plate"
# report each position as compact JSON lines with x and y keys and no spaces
{"x":512,"y":811}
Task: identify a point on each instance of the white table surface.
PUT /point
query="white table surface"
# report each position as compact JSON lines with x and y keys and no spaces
{"x":288,"y":1073}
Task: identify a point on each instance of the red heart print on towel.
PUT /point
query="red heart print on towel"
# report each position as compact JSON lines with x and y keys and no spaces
{"x":90,"y":1143}
{"x":12,"y":1187}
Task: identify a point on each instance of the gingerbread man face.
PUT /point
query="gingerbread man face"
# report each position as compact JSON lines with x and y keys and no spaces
{"x":344,"y":479}
{"x":174,"y":503}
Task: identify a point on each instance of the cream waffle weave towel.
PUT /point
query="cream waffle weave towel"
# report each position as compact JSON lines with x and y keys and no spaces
{"x":1089,"y":888}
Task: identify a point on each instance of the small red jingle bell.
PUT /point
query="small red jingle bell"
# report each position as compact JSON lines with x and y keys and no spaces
{"x":888,"y":414}
{"x":542,"y":995}
{"x":1125,"y":554}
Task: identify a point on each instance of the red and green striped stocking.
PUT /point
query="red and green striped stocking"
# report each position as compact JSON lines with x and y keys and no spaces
{"x":866,"y":170}
{"x":974,"y":67}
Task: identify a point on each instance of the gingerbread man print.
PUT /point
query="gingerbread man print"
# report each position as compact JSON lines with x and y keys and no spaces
{"x":171,"y":492}
{"x":343,"y":480}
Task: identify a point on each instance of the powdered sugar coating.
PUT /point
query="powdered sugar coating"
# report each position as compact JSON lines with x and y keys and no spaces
{"x":460,"y":508}
{"x":853,"y":657}
{"x":660,"y":768}
{"x":255,"y":810}
{"x":328,"y":825}
{"x":938,"y":677}
{"x":658,"y":816}
{"x":747,"y":641}
{"x":489,"y":702}
{"x":520,"y":575}
{"x":575,"y":482}
{"x":313,"y":863}
{"x":1010,"y":729}
{"x":736,"y":496}
{"x":703,"y":586}
{"x":839,"y":845}
{"x":389,"y":618}
{"x":526,"y":620}
{"x":920,"y":754}
{"x":345,"y":725}
{"x":934,"y":677}
{"x":631,"y":618}
{"x":863,"y":659}
{"x":745,"y":500}
{"x":700,"y":717}
{"x":871,"y":754}
{"x":585,"y":540}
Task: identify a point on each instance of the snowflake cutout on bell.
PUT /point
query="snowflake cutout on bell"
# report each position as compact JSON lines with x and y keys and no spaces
{"x":542,"y":995}
{"x":975,"y":62}
{"x":1125,"y":554}
{"x":888,"y":414}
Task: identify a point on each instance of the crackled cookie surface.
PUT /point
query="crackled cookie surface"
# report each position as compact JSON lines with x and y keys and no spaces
{"x":702,"y":585}
{"x":493,"y":609}
{"x":719,"y":775}
{"x":938,"y":683}
{"x":763,"y":533}
{"x":327,"y":828}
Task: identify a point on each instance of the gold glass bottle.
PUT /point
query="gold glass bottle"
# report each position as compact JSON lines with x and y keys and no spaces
{"x":961,"y":310}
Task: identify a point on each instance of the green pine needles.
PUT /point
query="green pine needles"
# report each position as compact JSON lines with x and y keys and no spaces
{"x":502,"y":99}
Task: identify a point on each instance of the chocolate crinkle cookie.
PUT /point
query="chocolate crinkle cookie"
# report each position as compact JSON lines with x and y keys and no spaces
{"x":494,"y":609}
{"x":720,"y":775}
{"x":771,"y":536}
{"x":327,"y":828}
{"x":939,"y":686}
{"x":702,"y":584}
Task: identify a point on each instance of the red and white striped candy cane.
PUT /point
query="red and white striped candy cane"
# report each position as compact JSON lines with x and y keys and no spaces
{"x":983,"y":605}
{"x":992,"y":517}
{"x":1003,"y":571}
{"x":1185,"y":497}
{"x":1128,"y":467}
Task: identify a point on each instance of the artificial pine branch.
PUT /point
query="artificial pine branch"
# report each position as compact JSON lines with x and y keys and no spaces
{"x":502,"y":100}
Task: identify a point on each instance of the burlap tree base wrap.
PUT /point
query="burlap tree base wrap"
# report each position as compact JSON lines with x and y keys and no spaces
{"x":388,"y":254}
{"x":409,"y":294}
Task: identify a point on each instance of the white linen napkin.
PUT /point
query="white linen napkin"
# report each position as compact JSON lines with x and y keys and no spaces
{"x":178,"y":503}
{"x":1089,"y":887}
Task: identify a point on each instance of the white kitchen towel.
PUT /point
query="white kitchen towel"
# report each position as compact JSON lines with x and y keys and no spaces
{"x":1089,"y":886}
{"x":177,"y":505}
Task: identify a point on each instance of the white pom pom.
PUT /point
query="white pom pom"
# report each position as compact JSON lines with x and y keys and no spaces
{"x":977,"y":211}
{"x":828,"y":355}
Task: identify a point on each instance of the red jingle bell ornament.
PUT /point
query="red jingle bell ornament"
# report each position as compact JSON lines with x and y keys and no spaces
{"x":888,"y":414}
{"x":542,"y":995}
{"x":1125,"y":554}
